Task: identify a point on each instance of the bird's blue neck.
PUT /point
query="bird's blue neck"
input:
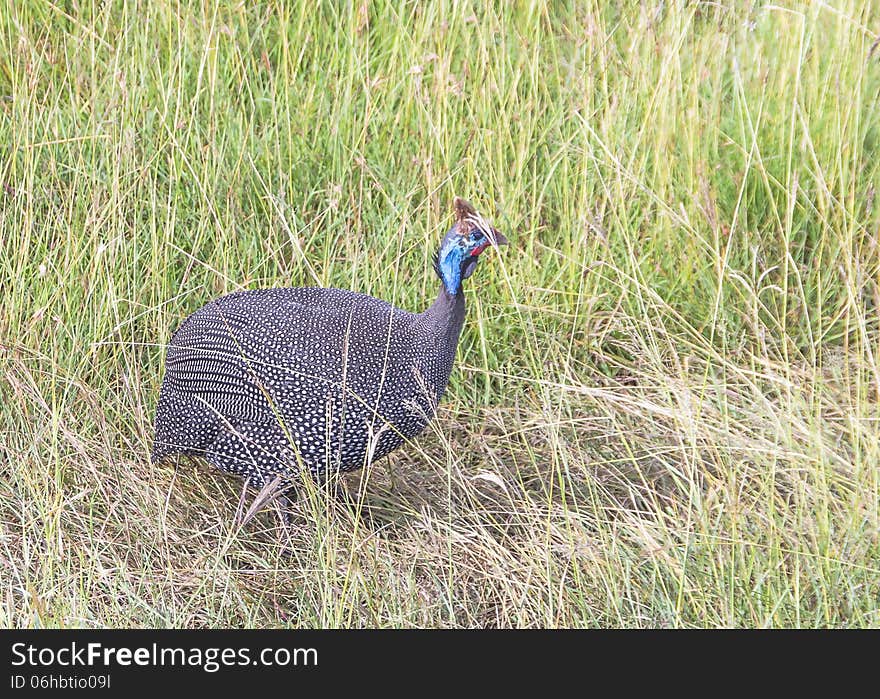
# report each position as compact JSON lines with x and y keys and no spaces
{"x":449,"y":267}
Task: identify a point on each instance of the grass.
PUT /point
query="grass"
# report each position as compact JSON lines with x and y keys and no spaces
{"x":665,"y":406}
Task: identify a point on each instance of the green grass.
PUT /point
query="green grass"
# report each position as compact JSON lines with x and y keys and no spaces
{"x":665,"y":406}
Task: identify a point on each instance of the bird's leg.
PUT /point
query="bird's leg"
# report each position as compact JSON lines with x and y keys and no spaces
{"x":284,"y":507}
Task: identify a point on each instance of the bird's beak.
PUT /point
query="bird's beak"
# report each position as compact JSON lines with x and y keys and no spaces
{"x":498,"y":239}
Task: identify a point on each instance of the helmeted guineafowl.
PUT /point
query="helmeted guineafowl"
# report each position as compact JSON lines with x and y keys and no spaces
{"x":269,"y":383}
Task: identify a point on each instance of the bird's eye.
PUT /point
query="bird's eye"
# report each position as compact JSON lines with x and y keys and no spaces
{"x":478,"y":235}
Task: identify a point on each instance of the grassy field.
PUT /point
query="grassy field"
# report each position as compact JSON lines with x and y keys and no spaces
{"x":666,"y":406}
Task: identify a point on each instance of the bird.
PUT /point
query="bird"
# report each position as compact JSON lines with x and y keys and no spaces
{"x":274,"y":383}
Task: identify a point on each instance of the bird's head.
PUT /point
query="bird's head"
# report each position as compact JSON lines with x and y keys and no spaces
{"x":462,"y":246}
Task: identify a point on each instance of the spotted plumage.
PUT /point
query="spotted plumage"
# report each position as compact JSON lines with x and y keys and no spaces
{"x":272,"y":382}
